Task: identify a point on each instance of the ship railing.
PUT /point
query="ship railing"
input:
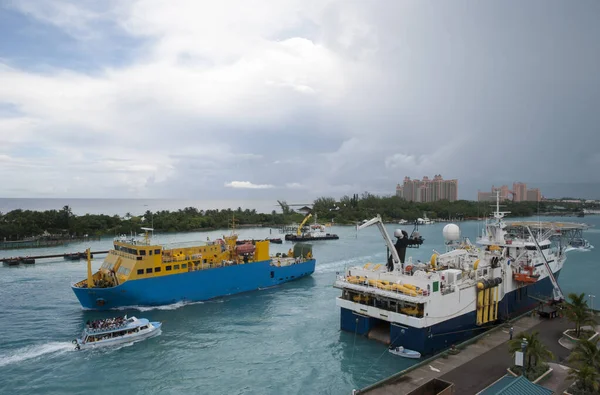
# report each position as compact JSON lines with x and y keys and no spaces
{"x":419,"y":298}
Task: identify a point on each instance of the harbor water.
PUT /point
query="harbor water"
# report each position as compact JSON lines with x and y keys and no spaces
{"x":272,"y":341}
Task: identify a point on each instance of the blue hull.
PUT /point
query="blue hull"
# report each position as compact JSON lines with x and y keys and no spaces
{"x":438,"y":337}
{"x":192,"y":286}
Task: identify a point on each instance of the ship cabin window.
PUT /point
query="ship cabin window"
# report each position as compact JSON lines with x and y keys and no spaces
{"x":157,"y":251}
{"x":184,"y":265}
{"x":149,"y":270}
{"x":140,"y":271}
{"x":139,"y":258}
{"x":168,"y":268}
{"x":142,"y":252}
{"x":534,"y":248}
{"x":156,"y":269}
{"x":176,"y":267}
{"x":144,"y":327}
{"x":123,"y":270}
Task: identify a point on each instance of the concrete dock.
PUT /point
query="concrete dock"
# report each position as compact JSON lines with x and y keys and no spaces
{"x":480,"y":363}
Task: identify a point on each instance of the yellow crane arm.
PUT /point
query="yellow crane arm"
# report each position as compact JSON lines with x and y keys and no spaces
{"x":299,"y":231}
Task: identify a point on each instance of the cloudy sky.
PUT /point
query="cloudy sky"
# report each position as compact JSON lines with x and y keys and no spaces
{"x":293,"y":99}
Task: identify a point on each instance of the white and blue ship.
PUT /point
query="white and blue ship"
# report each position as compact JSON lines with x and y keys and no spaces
{"x":428,"y":307}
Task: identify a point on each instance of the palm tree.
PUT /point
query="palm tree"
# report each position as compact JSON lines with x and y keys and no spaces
{"x":578,"y":312}
{"x":586,"y":353}
{"x":536,"y":350}
{"x":587,"y":379}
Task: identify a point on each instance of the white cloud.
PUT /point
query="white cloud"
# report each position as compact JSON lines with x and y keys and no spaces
{"x":344,"y":96}
{"x":247,"y":185}
{"x":294,"y":185}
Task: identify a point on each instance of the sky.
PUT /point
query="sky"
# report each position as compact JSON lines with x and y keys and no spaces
{"x":296,"y":99}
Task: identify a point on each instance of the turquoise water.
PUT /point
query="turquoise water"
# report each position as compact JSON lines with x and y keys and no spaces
{"x":280,"y":340}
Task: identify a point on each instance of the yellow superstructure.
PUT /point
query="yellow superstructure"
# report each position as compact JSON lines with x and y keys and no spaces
{"x":131,"y":260}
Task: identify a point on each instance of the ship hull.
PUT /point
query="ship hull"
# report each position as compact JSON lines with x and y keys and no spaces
{"x":192,"y":286}
{"x":430,"y":340}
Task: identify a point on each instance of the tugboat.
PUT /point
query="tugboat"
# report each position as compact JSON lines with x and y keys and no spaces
{"x":138,"y":272}
{"x":314,"y":232}
{"x":113,"y":331}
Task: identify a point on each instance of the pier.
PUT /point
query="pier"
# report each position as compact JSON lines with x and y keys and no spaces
{"x":31,"y":259}
{"x":42,"y":242}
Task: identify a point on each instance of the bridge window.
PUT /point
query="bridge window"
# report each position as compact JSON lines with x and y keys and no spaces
{"x":142,"y":252}
{"x":150,"y":252}
{"x":157,"y":251}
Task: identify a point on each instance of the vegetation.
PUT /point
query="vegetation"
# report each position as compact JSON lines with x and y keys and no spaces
{"x":536,"y":354}
{"x":391,"y":208}
{"x":20,"y":224}
{"x":585,"y":358}
{"x":578,"y":312}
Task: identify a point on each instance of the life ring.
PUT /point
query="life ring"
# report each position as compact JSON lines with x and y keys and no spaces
{"x":74,"y":342}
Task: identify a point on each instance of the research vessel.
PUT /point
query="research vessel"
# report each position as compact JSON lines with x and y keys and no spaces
{"x":429,"y":306}
{"x":138,"y":272}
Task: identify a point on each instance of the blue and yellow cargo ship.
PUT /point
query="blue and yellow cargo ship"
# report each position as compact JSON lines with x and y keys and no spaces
{"x":137,"y":272}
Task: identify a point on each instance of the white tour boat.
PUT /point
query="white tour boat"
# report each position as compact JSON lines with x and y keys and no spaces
{"x":113,"y":331}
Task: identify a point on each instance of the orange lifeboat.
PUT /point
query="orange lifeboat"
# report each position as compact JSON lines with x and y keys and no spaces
{"x":245,"y":248}
{"x":527,"y":276}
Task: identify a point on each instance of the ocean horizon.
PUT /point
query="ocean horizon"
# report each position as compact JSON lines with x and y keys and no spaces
{"x":82,"y":206}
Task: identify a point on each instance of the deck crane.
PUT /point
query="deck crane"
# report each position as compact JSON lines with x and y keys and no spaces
{"x":386,"y":237}
{"x":558,"y":294}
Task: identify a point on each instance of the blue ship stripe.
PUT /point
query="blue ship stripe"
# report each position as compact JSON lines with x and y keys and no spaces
{"x":193,"y":286}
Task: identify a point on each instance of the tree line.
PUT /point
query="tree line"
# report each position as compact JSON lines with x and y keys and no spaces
{"x":351,"y":209}
{"x":21,"y":224}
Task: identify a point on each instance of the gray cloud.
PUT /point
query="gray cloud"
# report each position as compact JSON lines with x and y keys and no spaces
{"x":312,"y":98}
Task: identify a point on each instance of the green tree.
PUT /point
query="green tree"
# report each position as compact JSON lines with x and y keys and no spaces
{"x":536,"y":352}
{"x":586,"y":353}
{"x":578,"y":312}
{"x":586,"y":380}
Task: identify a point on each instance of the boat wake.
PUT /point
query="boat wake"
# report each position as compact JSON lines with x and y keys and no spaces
{"x":568,"y":249}
{"x":336,"y":266}
{"x":35,"y":351}
{"x":173,"y":306}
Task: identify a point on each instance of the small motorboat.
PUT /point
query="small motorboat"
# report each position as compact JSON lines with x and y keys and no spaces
{"x":113,"y":331}
{"x":406,"y":353}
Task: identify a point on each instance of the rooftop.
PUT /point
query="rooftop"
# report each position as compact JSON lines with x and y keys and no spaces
{"x":509,"y":385}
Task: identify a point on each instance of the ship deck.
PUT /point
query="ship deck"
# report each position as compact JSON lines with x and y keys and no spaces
{"x":547,"y":225}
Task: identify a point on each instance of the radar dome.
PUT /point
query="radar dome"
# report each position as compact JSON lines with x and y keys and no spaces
{"x":398,"y":233}
{"x":451,"y":232}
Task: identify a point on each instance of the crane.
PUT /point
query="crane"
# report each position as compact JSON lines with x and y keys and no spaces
{"x":386,"y":237}
{"x":558,"y":294}
{"x":299,"y":231}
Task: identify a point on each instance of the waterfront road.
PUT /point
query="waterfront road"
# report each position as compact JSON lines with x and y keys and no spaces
{"x":482,"y":371}
{"x":480,"y":363}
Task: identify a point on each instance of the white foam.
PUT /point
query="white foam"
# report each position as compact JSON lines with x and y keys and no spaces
{"x":337,"y":265}
{"x":35,"y":351}
{"x":173,"y":306}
